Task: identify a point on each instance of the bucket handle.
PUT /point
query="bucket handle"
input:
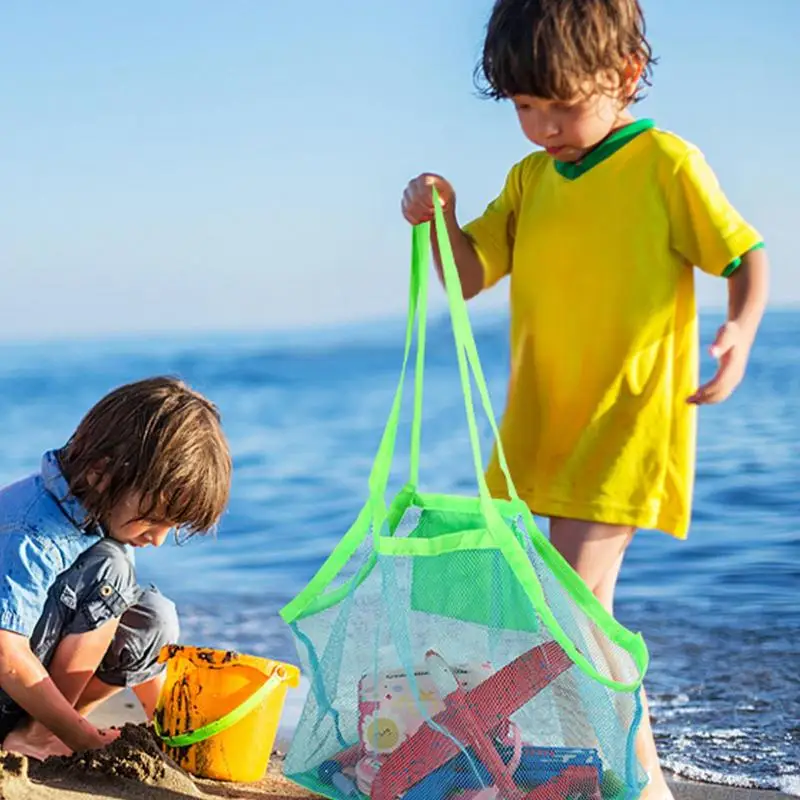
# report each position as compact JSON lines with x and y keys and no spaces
{"x":229,"y":720}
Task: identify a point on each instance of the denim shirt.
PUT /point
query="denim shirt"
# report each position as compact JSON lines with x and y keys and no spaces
{"x":43,"y":529}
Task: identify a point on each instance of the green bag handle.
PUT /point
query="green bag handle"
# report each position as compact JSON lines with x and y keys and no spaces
{"x":417,"y":304}
{"x":420,"y":264}
{"x":375,"y":512}
{"x":228,"y":720}
{"x":418,"y":301}
{"x":467,"y":353}
{"x":507,"y":543}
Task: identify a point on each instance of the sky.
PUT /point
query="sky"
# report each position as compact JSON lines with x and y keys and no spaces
{"x":202,"y":165}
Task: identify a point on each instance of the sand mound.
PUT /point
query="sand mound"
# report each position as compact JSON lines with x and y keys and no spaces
{"x":132,"y":768}
{"x":135,"y":756}
{"x":14,"y":781}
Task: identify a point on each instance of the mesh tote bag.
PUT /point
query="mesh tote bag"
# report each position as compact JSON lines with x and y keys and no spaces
{"x":452,"y":651}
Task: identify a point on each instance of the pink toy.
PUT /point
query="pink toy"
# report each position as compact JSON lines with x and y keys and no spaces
{"x":339,"y":772}
{"x":455,"y":701}
{"x":390,"y":711}
{"x":366,"y":770}
{"x":349,"y":757}
{"x":573,"y":781}
{"x":492,"y":792}
{"x":474,"y":718}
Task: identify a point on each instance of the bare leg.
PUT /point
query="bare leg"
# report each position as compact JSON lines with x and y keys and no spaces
{"x":97,"y":692}
{"x":149,"y":692}
{"x":596,"y":552}
{"x":75,"y":661}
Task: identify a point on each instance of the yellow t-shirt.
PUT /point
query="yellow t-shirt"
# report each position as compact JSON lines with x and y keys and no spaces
{"x":604,"y":333}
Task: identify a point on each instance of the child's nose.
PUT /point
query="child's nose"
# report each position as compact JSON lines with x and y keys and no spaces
{"x":543,"y":128}
{"x":547,"y":125}
{"x":159,"y":535}
{"x":550,"y":129}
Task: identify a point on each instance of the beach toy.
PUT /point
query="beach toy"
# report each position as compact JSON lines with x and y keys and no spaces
{"x":339,"y":762}
{"x":447,"y":782}
{"x":339,"y":770}
{"x":473,"y":579}
{"x":219,"y":710}
{"x":473,"y":730}
{"x":387,"y":708}
{"x":478,"y":781}
{"x":345,"y":784}
{"x":612,"y":787}
{"x":471,"y":718}
{"x":537,"y":766}
{"x":366,"y":770}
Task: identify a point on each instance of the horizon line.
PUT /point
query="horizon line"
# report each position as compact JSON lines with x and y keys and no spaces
{"x":286,"y":330}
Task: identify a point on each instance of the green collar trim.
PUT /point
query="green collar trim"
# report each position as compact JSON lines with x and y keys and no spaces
{"x":618,"y":139}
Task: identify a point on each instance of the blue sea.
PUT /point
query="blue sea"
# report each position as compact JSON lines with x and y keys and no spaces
{"x":304,"y":412}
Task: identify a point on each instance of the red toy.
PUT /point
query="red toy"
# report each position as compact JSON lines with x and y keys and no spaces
{"x":475,"y":719}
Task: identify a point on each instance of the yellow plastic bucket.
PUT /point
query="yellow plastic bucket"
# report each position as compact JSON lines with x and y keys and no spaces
{"x":218,"y":712}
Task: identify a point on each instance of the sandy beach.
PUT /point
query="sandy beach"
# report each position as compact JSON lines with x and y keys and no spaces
{"x":133,"y":769}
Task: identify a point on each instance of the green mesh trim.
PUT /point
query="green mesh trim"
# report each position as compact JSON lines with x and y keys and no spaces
{"x":479,"y":587}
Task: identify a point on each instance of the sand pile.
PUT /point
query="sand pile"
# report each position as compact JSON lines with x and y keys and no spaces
{"x":134,"y":757}
{"x":132,"y":768}
{"x":14,"y":783}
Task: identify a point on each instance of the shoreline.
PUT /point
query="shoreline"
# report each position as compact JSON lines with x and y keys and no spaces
{"x":124,"y":708}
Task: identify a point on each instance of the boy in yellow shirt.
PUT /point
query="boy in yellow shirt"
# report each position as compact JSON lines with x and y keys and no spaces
{"x":599,"y":231}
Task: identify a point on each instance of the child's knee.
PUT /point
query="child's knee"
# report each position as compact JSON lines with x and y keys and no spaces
{"x":144,"y":629}
{"x":98,"y":587}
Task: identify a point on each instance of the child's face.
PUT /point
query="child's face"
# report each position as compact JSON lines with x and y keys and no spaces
{"x":568,"y":130}
{"x":125,"y":524}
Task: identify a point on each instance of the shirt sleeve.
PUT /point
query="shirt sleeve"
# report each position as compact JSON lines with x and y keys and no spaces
{"x":704,"y":227}
{"x":492,"y":234}
{"x":29,"y":568}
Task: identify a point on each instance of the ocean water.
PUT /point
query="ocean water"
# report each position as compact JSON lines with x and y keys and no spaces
{"x":720,"y":612}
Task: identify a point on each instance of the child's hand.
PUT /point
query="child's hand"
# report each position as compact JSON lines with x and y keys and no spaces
{"x":108,"y":735}
{"x":418,"y":198}
{"x":732,"y":349}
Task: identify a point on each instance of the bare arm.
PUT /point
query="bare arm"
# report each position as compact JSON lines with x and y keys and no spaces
{"x":470,"y":269}
{"x":24,"y":678}
{"x":747,"y":298}
{"x":748,"y":288}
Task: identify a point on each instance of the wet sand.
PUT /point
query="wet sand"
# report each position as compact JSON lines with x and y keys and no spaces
{"x":134,"y":769}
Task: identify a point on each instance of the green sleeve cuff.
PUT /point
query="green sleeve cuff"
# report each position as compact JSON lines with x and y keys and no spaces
{"x":737,"y":262}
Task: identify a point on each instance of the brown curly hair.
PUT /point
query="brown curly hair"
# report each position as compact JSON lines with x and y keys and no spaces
{"x":160,"y":439}
{"x":553,"y":48}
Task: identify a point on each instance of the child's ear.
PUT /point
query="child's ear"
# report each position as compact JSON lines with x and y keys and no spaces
{"x":96,"y":476}
{"x":632,"y":75}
